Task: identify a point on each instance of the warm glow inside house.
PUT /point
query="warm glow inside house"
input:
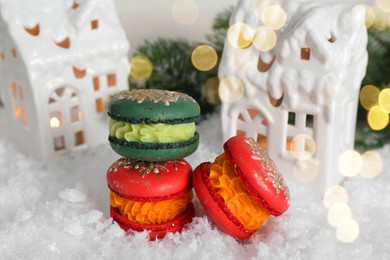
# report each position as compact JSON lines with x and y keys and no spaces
{"x":60,"y":61}
{"x":300,"y":66}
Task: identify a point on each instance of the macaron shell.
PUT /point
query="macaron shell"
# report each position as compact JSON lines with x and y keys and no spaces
{"x":137,"y":180}
{"x":154,"y":151}
{"x":215,"y":206}
{"x":151,"y":106}
{"x":258,"y":174}
{"x":156,"y":231}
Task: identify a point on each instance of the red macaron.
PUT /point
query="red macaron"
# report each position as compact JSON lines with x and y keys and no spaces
{"x":153,"y":196}
{"x":241,"y":188}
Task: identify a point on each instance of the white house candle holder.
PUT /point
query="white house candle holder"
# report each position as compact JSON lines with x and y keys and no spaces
{"x":290,"y":78}
{"x":60,"y":61}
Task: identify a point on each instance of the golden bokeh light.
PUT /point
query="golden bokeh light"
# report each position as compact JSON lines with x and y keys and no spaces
{"x":348,"y":232}
{"x":210,"y":91}
{"x":339,"y":214}
{"x":231,"y":89}
{"x":265,"y":39}
{"x":384,"y":5}
{"x":305,"y":171}
{"x":204,"y":57}
{"x":369,"y":96}
{"x":372,"y":165}
{"x":55,"y":122}
{"x":240,"y":35}
{"x":335,"y":194}
{"x":303,"y":147}
{"x":141,"y":68}
{"x":384,"y":99}
{"x":378,"y":118}
{"x":274,"y":17}
{"x":350,"y":163}
{"x":185,"y":12}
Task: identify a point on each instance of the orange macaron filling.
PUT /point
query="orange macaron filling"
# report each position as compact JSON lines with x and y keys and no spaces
{"x":228,"y":185}
{"x":150,"y":213}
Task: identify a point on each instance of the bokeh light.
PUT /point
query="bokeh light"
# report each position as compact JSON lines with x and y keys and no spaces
{"x":378,"y":118}
{"x":303,"y":147}
{"x":265,"y":39}
{"x":274,"y":17}
{"x":231,"y":89}
{"x":335,"y":194}
{"x":372,"y":165}
{"x":384,"y":99}
{"x":384,"y":5}
{"x":210,"y":91}
{"x":348,"y":232}
{"x":185,"y":12}
{"x":350,"y":163}
{"x":339,"y":214}
{"x":240,"y":35}
{"x":204,"y":57}
{"x":141,"y":68}
{"x":305,"y":171}
{"x":369,"y":96}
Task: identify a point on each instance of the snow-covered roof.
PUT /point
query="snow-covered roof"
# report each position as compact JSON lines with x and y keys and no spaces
{"x":336,"y":36}
{"x":49,"y":32}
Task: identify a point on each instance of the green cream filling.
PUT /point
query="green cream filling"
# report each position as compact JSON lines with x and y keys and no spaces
{"x":151,"y":133}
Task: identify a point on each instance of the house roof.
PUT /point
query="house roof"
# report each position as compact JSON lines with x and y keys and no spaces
{"x":48,"y":33}
{"x":337,"y":40}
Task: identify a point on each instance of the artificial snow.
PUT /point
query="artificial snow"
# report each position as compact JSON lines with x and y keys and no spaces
{"x":59,"y":209}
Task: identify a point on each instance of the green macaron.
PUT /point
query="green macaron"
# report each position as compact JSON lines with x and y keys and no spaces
{"x":153,"y":125}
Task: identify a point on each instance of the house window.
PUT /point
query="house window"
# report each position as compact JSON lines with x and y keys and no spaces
{"x":111,"y":80}
{"x":305,"y":53}
{"x":17,"y":112}
{"x":79,"y":138}
{"x":94,"y":24}
{"x":248,"y":122}
{"x":99,"y":105}
{"x":96,"y":84}
{"x":2,"y":55}
{"x":309,"y":121}
{"x":59,"y":143}
{"x":14,"y":52}
{"x":297,"y":124}
{"x":55,"y":119}
{"x":75,"y":114}
{"x":75,"y":5}
{"x":14,"y":89}
{"x":291,"y":118}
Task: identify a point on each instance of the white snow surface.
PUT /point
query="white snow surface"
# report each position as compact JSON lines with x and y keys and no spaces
{"x":59,"y":209}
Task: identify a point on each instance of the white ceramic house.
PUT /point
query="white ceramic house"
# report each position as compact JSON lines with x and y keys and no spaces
{"x":60,"y":61}
{"x":307,"y":84}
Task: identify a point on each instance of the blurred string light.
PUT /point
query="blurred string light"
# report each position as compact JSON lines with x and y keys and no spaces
{"x":231,"y":89}
{"x":378,"y":105}
{"x":210,"y":91}
{"x":204,"y":57}
{"x":338,"y":214}
{"x":348,"y":232}
{"x":303,"y":148}
{"x":185,"y":12}
{"x":263,"y":38}
{"x":372,"y":165}
{"x":350,"y":163}
{"x":240,"y":35}
{"x":274,"y":17}
{"x":141,"y":68}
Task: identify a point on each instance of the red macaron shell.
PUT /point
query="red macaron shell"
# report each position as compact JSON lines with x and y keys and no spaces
{"x":258,"y":174}
{"x":215,"y":206}
{"x":155,"y":231}
{"x":149,"y":181}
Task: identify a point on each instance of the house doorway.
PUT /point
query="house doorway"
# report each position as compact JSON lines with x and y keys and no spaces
{"x":65,"y":119}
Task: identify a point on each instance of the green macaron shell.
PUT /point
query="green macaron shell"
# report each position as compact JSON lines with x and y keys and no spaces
{"x":154,"y":151}
{"x":153,"y":106}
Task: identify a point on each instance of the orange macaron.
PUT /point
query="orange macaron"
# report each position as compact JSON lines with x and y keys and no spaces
{"x":241,"y":188}
{"x":152,"y":196}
